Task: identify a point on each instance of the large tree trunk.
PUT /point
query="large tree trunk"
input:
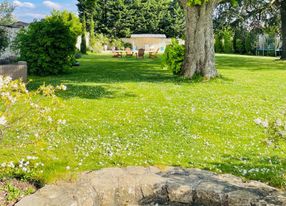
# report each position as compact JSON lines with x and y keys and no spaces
{"x":283,"y":28}
{"x":200,"y":54}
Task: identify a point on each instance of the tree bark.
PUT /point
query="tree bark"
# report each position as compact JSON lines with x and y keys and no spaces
{"x":283,"y":28}
{"x":200,"y":54}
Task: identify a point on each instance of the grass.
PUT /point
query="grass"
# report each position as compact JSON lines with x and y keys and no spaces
{"x":126,"y":111}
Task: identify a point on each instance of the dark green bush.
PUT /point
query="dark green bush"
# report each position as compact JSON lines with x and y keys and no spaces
{"x":127,"y":45}
{"x":48,"y":46}
{"x":218,"y":44}
{"x":4,"y":40}
{"x":174,"y":56}
{"x":224,"y":41}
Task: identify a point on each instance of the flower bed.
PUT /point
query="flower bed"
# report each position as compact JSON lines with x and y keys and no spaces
{"x":15,"y":71}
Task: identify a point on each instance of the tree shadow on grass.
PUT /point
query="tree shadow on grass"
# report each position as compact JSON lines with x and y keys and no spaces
{"x":86,"y":91}
{"x":250,"y":63}
{"x":267,"y":169}
{"x":105,"y":71}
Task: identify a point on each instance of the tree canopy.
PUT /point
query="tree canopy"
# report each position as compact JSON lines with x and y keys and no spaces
{"x":6,"y":10}
{"x":125,"y":17}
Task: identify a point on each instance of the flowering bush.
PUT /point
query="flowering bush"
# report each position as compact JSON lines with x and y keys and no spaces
{"x":275,"y":130}
{"x":24,"y":116}
{"x":17,"y":103}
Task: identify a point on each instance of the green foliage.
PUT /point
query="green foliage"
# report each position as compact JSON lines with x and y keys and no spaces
{"x":70,"y":20}
{"x":127,"y":45}
{"x":196,"y":2}
{"x":83,"y":46}
{"x":275,"y":130}
{"x":174,"y":56}
{"x":218,"y":43}
{"x":124,"y":17}
{"x":224,"y":41}
{"x":6,"y":18}
{"x":92,"y":39}
{"x":4,"y":40}
{"x":117,"y":43}
{"x":6,"y":10}
{"x":48,"y":46}
{"x":103,"y":39}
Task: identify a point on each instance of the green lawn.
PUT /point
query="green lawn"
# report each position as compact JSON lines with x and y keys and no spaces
{"x":126,"y":111}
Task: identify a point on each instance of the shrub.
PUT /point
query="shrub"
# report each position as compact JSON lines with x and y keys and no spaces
{"x":228,"y":38}
{"x":174,"y":56}
{"x":127,"y":45}
{"x":83,"y":47}
{"x":224,"y":41}
{"x":275,"y":130}
{"x":117,"y":43}
{"x":48,"y":46}
{"x":24,"y":115}
{"x":4,"y":40}
{"x":218,"y":44}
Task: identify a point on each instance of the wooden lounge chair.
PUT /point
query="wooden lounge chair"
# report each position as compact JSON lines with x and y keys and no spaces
{"x":129,"y":53}
{"x":140,"y":53}
{"x":153,"y":54}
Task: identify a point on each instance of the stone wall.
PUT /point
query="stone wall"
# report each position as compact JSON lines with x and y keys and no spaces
{"x":16,"y":71}
{"x":151,"y":186}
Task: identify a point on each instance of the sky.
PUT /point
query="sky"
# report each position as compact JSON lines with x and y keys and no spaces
{"x":28,"y":10}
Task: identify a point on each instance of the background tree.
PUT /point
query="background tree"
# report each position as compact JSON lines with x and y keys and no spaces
{"x":83,"y":46}
{"x":247,"y":20}
{"x":6,"y":18}
{"x":92,"y":40}
{"x":124,"y":17}
{"x":4,"y":40}
{"x":6,"y":10}
{"x":283,"y":27}
{"x":173,"y":24}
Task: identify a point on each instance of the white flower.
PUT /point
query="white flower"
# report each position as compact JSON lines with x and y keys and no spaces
{"x":7,"y":79}
{"x":62,"y":87}
{"x":258,"y":121}
{"x":3,"y":121}
{"x":278,"y":122}
{"x":62,"y":122}
{"x":3,"y":164}
{"x":31,"y":158}
{"x":50,"y":119}
{"x":264,"y":124}
{"x":11,"y":164}
{"x":68,"y":167}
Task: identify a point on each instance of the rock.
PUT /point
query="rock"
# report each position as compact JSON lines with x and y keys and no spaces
{"x":151,"y":186}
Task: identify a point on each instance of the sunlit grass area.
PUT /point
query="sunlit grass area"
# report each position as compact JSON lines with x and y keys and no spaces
{"x":125,"y":111}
